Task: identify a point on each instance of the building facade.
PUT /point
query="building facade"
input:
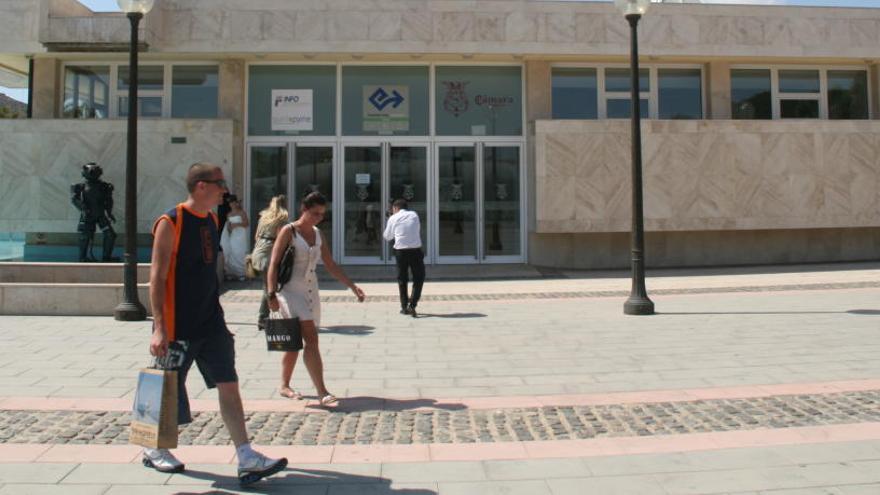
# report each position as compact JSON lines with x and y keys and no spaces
{"x":504,"y":123}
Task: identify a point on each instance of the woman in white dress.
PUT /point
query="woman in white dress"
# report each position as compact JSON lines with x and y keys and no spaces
{"x":235,"y":239}
{"x":299,"y":298}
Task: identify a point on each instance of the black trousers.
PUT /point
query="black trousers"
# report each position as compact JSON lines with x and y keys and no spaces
{"x":410,"y":260}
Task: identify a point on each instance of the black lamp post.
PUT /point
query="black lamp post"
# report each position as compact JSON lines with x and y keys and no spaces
{"x":131,"y":309}
{"x":638,"y":302}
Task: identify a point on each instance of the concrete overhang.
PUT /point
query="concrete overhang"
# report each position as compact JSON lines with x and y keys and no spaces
{"x":13,"y":71}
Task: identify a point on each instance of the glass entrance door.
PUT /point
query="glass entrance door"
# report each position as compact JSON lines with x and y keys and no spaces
{"x":313,"y":171}
{"x":408,"y":179}
{"x":479,"y":203}
{"x":362,"y":200}
{"x":457,"y":203}
{"x":268,"y":178}
{"x":374,"y":175}
{"x":501,"y":205}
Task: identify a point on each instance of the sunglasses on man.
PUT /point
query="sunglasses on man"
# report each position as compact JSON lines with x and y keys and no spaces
{"x":220,"y":183}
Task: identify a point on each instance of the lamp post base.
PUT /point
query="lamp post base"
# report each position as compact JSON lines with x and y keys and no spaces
{"x":638,"y":305}
{"x":130,"y":311}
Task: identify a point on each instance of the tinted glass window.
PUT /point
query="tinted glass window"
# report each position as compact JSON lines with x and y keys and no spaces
{"x":619,"y":80}
{"x":86,"y":92}
{"x":385,"y":101}
{"x":318,"y":82}
{"x":680,"y":93}
{"x":477,"y":101}
{"x":750,"y":95}
{"x":847,"y":94}
{"x":194,"y":91}
{"x":575,"y":93}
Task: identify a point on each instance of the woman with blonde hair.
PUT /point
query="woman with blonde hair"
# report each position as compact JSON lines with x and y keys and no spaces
{"x":271,"y":220}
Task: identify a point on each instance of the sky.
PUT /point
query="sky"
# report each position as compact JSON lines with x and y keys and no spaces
{"x":110,"y":5}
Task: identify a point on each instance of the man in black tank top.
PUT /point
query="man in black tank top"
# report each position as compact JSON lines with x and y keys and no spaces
{"x":188,"y":321}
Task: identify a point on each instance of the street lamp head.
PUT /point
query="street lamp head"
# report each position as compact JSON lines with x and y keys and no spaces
{"x":632,"y":7}
{"x":135,"y":6}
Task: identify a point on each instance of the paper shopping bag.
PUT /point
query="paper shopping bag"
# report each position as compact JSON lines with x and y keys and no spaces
{"x":154,"y":415}
{"x":283,"y":334}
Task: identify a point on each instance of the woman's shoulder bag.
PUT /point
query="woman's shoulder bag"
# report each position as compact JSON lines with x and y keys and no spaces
{"x":285,"y":266}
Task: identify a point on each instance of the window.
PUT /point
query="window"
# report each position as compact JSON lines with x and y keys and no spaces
{"x":680,"y":93}
{"x":310,"y":92}
{"x":164,"y":90}
{"x":847,"y":94}
{"x":151,"y":83}
{"x":799,"y":93}
{"x":750,"y":94}
{"x":382,"y":100}
{"x":618,"y":86}
{"x":604,"y":92}
{"x":194,"y":91}
{"x":575,"y":93}
{"x":478,"y":101}
{"x":86,"y":92}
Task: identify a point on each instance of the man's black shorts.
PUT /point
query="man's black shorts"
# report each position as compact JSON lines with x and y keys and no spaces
{"x":215,"y":357}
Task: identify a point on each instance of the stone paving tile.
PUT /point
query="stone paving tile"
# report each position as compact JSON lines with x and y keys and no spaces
{"x":120,"y":474}
{"x":34,"y":473}
{"x":441,"y":426}
{"x":419,"y":472}
{"x":384,"y":488}
{"x":532,"y":487}
{"x":620,"y":485}
{"x":31,"y":489}
{"x":531,"y":469}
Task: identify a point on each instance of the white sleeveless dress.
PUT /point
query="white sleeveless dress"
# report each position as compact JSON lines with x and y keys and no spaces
{"x":299,"y":298}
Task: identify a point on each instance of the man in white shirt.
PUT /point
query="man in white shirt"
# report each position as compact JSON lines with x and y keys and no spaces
{"x":404,"y":228}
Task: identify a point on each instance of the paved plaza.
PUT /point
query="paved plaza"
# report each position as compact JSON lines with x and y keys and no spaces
{"x":759,"y":380}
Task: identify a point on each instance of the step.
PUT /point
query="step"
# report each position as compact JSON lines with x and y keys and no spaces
{"x":65,"y":299}
{"x":70,"y":273}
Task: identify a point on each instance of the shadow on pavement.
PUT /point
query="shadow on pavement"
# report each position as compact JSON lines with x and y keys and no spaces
{"x":873,"y":312}
{"x":294,"y":480}
{"x":365,"y":403}
{"x":451,"y":315}
{"x":348,"y":329}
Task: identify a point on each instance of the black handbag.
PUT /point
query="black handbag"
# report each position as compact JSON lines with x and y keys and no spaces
{"x":283,"y":334}
{"x":285,"y":266}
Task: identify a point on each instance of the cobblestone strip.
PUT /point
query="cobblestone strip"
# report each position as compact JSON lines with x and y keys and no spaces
{"x":463,"y":425}
{"x":237,"y":297}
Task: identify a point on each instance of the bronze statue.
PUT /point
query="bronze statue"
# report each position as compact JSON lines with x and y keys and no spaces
{"x":94,"y":199}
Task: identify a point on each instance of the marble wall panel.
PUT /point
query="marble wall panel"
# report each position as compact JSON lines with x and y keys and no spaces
{"x":864,"y":31}
{"x":522,"y":26}
{"x":558,"y":28}
{"x":489,"y":27}
{"x":385,"y":26}
{"x":349,"y":26}
{"x":207,"y":25}
{"x":709,"y":175}
{"x":35,"y":178}
{"x":278,"y":25}
{"x":589,"y":28}
{"x":454,"y":26}
{"x":310,"y":26}
{"x":416,"y":26}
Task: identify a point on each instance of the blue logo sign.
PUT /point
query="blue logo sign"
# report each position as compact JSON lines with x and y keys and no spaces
{"x":381,"y":99}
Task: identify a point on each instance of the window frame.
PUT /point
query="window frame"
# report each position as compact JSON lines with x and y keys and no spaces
{"x":776,"y":96}
{"x":115,"y":93}
{"x":652,"y":95}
